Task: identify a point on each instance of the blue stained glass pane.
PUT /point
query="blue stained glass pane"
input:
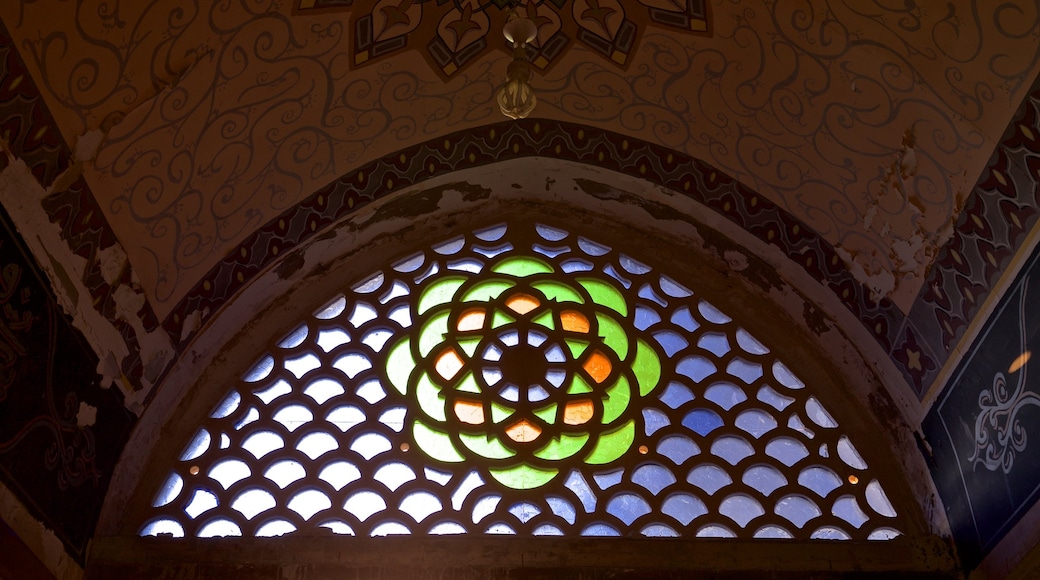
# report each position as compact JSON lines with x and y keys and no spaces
{"x":702,"y":421}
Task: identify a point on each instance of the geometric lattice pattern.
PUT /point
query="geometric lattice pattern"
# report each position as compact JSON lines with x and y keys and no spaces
{"x":522,"y":380}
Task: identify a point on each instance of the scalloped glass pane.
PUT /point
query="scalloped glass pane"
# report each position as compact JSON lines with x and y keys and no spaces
{"x":786,"y":450}
{"x":606,"y":479}
{"x":600,"y":530}
{"x":769,"y":396}
{"x":670,"y":341}
{"x":764,"y":478}
{"x":684,"y":507}
{"x":653,"y":477}
{"x":448,"y":528}
{"x":410,"y":264}
{"x":676,"y":395}
{"x":170,"y":490}
{"x":420,"y":505}
{"x":333,"y":309}
{"x":394,"y":418}
{"x":220,"y":528}
{"x":577,"y":484}
{"x":371,"y":391}
{"x":829,"y":533}
{"x":500,"y":529}
{"x":678,"y":448}
{"x":199,"y":445}
{"x":317,"y":444}
{"x":362,"y":314}
{"x":702,"y":421}
{"x":260,"y":371}
{"x":818,"y":414}
{"x":561,"y":508}
{"x":229,"y":471}
{"x":715,"y":343}
{"x":786,"y":377}
{"x":819,"y":479}
{"x":715,"y":531}
{"x":709,"y":477}
{"x":162,"y":527}
{"x":749,"y":343}
{"x":275,"y":528}
{"x":878,"y":500}
{"x":732,"y":449}
{"x":712,"y":314}
{"x":847,"y":508}
{"x":849,"y":455}
{"x":251,"y":416}
{"x":369,"y":285}
{"x":659,"y":531}
{"x":725,"y":395}
{"x":748,"y":372}
{"x":285,"y":472}
{"x":390,"y":529}
{"x":627,"y":507}
{"x":363,"y":504}
{"x":293,"y":416}
{"x":323,"y":389}
{"x":276,"y":390}
{"x":300,"y":366}
{"x":524,"y":511}
{"x":371,"y":444}
{"x":345,"y":417}
{"x":253,"y":501}
{"x":797,"y":509}
{"x":330,"y":339}
{"x":773,"y":532}
{"x":339,"y":474}
{"x":547,"y":530}
{"x":227,"y":406}
{"x":201,"y":501}
{"x":394,"y":475}
{"x":485,"y":506}
{"x":262,"y":443}
{"x":352,"y":364}
{"x":338,"y":527}
{"x":674,"y":289}
{"x":309,"y":502}
{"x":756,"y":422}
{"x":683,"y":319}
{"x":654,"y":420}
{"x":884,"y":534}
{"x":697,"y":368}
{"x":741,"y":509}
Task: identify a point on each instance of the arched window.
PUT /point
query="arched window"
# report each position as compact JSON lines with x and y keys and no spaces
{"x":522,"y":379}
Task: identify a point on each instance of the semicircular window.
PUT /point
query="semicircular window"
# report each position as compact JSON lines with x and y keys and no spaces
{"x":521,"y":381}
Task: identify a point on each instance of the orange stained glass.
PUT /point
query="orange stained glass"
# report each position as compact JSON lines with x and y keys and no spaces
{"x":578,"y":413}
{"x":523,"y":431}
{"x":598,"y":366}
{"x":574,"y":321}
{"x":522,"y":303}
{"x":472,"y":319}
{"x":469,"y":412}
{"x":448,"y":364}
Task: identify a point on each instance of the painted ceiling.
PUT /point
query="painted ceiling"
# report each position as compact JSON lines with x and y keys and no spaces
{"x":195,"y":124}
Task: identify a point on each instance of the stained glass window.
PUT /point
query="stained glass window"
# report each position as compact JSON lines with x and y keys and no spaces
{"x":522,"y":380}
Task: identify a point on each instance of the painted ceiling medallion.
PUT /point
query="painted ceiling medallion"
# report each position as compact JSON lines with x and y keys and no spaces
{"x":453,"y":34}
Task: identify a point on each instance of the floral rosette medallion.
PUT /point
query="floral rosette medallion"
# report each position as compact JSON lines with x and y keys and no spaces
{"x":518,"y":371}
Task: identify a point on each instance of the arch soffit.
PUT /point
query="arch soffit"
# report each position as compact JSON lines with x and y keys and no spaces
{"x":609,"y":206}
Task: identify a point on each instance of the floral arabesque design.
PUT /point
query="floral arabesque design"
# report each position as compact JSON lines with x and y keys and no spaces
{"x":519,"y":371}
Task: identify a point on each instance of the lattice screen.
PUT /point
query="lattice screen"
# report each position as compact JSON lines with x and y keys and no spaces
{"x":522,"y":380}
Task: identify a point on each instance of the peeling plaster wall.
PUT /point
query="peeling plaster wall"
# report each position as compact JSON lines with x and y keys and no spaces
{"x":42,"y":541}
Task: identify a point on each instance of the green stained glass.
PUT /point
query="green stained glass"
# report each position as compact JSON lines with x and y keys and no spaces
{"x":429,"y":397}
{"x":440,"y":292}
{"x":469,"y":345}
{"x":399,"y":365}
{"x":618,"y":397}
{"x":558,"y":292}
{"x":523,"y":476}
{"x":468,"y":384}
{"x":547,"y":414}
{"x":499,"y":413}
{"x":605,"y":295}
{"x":501,"y":319}
{"x":522,"y":267}
{"x":613,"y":335}
{"x":432,"y":333}
{"x":436,"y":444}
{"x":578,"y":386}
{"x":647,"y":367}
{"x":486,"y":290}
{"x":562,"y":448}
{"x":576,"y":346}
{"x":546,"y":320}
{"x":486,"y":446}
{"x":612,"y":445}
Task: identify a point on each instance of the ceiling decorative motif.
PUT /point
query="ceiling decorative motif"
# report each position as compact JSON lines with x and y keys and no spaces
{"x":867,"y":122}
{"x":453,"y":35}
